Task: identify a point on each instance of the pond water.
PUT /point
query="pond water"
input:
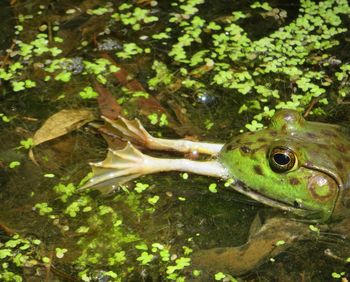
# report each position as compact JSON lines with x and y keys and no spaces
{"x":202,"y":70}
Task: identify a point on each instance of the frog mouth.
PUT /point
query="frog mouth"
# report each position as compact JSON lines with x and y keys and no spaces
{"x":295,"y":208}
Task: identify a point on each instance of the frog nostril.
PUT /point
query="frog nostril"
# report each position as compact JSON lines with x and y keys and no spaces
{"x":296,"y":204}
{"x":245,"y":149}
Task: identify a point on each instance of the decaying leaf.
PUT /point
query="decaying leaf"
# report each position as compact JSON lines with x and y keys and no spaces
{"x":107,"y":104}
{"x":60,"y":124}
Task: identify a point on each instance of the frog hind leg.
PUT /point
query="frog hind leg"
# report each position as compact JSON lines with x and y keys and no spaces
{"x":133,"y":131}
{"x":259,"y":249}
{"x":121,"y":166}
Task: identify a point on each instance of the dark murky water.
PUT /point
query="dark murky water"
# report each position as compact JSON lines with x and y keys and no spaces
{"x":187,"y":214}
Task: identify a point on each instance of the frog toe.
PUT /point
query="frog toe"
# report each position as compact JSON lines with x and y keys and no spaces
{"x":119,"y":167}
{"x":130,"y":130}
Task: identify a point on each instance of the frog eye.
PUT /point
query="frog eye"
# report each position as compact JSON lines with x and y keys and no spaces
{"x":282,"y":159}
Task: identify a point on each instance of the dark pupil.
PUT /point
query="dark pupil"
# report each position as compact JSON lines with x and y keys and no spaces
{"x":281,"y":159}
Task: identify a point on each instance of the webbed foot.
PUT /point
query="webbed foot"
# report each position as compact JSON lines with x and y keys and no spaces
{"x":133,"y":131}
{"x":119,"y":167}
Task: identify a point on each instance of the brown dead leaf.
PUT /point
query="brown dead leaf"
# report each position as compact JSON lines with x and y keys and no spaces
{"x":107,"y":104}
{"x":60,"y":124}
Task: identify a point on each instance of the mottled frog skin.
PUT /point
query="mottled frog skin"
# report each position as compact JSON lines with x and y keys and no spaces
{"x":299,"y":166}
{"x":295,"y":165}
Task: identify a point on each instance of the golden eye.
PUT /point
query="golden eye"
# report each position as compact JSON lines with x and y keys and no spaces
{"x":282,"y":159}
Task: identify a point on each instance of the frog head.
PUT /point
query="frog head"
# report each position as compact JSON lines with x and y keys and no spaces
{"x":294,"y":164}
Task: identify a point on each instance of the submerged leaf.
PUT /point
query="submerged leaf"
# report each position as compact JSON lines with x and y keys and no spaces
{"x":107,"y":104}
{"x":60,"y":124}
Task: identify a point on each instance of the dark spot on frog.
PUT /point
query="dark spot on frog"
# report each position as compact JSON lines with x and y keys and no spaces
{"x":263,"y":140}
{"x":346,"y":159}
{"x":342,"y":148}
{"x":339,"y":165}
{"x":329,"y":133}
{"x":258,"y":170}
{"x":245,"y":149}
{"x":323,"y":146}
{"x":339,"y":129}
{"x":294,"y":181}
{"x":284,"y":127}
{"x":273,"y":133}
{"x":296,"y":205}
{"x":311,"y":135}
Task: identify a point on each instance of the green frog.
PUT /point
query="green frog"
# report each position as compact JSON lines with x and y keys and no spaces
{"x":297,"y":166}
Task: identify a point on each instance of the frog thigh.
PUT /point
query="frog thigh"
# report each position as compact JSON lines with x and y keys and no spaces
{"x":260,"y":247}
